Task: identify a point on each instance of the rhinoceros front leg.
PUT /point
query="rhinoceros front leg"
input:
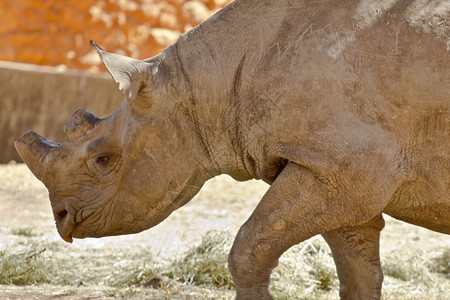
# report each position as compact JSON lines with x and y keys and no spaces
{"x":357,"y":257}
{"x":298,"y":205}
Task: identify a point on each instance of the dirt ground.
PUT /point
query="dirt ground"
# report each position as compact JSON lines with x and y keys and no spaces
{"x":223,"y":204}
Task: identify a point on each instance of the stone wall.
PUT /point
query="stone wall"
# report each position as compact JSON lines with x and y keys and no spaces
{"x":42,"y":98}
{"x":55,"y":32}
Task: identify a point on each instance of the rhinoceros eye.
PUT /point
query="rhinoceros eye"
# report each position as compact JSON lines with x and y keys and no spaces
{"x":102,"y":160}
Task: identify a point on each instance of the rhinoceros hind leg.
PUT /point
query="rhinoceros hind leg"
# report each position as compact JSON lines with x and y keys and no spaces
{"x":356,"y":254}
{"x":298,"y":205}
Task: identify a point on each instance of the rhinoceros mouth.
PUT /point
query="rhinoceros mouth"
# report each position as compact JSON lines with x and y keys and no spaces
{"x":71,"y":223}
{"x":65,"y":221}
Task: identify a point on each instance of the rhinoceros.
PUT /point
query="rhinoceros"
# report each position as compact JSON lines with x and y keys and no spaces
{"x":341,"y":106}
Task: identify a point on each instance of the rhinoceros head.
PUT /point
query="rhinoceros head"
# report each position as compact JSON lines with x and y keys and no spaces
{"x":124,"y":173}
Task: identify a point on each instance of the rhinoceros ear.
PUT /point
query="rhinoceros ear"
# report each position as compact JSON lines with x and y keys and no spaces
{"x":131,"y":74}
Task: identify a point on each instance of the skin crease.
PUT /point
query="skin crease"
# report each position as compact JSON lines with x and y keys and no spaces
{"x":342,"y":106}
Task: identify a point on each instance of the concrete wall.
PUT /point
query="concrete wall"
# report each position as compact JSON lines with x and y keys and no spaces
{"x":43,"y":98}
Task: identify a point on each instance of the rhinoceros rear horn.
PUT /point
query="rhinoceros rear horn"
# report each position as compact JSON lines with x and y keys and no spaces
{"x":35,"y":151}
{"x":131,"y":74}
{"x":80,"y":124}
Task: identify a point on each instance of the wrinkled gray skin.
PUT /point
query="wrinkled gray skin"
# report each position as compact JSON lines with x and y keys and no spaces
{"x":342,"y":106}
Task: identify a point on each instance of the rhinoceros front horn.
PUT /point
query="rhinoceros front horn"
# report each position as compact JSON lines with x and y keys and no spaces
{"x":80,"y":124}
{"x":35,"y":151}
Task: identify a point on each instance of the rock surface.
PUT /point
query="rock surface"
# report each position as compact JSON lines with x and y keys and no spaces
{"x":52,"y":32}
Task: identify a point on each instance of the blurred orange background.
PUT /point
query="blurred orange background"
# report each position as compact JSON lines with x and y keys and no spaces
{"x":56,"y":32}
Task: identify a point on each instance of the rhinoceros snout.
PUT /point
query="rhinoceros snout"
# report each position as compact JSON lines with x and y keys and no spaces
{"x":65,"y":224}
{"x":79,"y":124}
{"x":64,"y":214}
{"x":34,"y":150}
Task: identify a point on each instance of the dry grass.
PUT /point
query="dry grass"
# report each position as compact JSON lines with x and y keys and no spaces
{"x":417,"y":274}
{"x":305,"y":272}
{"x":205,"y":264}
{"x":24,"y":267}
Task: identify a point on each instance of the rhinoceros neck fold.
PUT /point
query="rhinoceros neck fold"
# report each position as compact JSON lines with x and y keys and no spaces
{"x":217,"y":78}
{"x":212,"y":117}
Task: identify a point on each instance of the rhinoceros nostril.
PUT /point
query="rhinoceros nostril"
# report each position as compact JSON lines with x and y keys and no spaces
{"x":61,"y":215}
